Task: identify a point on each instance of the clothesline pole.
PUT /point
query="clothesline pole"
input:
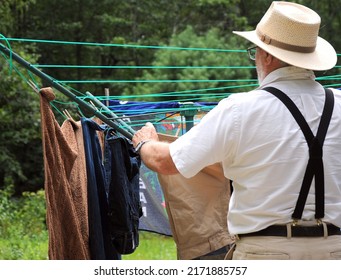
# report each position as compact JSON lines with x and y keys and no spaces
{"x":107,"y":95}
{"x":54,"y":83}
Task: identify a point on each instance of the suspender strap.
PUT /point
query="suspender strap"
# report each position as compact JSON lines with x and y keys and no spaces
{"x":315,"y":144}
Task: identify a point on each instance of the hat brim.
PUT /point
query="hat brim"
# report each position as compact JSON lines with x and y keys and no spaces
{"x":323,"y":58}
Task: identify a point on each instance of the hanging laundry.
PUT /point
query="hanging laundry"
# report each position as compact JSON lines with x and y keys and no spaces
{"x":198,"y":222}
{"x":197,"y":209}
{"x":65,"y":185}
{"x":101,"y":247}
{"x":122,"y":165}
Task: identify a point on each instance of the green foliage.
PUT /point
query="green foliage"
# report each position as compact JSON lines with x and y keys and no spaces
{"x":177,"y":23}
{"x":23,"y":233}
{"x":20,"y":140}
{"x":140,"y":22}
{"x":196,"y":65}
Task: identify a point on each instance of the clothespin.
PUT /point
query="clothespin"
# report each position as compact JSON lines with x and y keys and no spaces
{"x":67,"y":114}
{"x":93,"y":105}
{"x":33,"y":86}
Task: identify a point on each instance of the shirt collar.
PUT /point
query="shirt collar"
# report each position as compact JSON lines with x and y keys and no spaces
{"x":287,"y":73}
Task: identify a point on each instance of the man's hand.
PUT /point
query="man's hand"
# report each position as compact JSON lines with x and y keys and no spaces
{"x":146,"y":133}
{"x":154,"y":153}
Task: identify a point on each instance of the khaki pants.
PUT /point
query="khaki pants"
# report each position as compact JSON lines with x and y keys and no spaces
{"x":283,"y":248}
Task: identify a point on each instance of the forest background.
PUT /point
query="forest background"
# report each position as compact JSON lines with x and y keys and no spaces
{"x":32,"y":27}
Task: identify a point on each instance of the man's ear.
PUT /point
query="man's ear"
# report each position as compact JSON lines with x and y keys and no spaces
{"x":269,"y":58}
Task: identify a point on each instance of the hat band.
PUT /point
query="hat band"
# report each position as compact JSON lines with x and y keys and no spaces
{"x":269,"y":41}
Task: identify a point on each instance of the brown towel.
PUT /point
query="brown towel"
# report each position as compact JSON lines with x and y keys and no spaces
{"x":197,"y":209}
{"x":65,"y":185}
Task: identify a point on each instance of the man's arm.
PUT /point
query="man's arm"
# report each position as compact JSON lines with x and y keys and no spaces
{"x":154,"y":153}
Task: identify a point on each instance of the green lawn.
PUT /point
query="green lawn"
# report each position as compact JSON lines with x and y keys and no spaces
{"x":34,"y":247}
{"x":23,"y":234}
{"x":153,"y":247}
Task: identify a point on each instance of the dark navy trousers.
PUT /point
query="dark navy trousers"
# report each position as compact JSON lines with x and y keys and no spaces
{"x":101,"y":247}
{"x":123,"y":165}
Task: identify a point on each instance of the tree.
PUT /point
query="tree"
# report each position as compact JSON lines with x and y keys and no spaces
{"x":21,"y":162}
{"x":132,"y":28}
{"x":202,"y":59}
{"x":123,"y":24}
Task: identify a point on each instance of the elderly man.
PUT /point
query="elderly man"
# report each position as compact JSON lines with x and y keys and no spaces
{"x":279,"y":144}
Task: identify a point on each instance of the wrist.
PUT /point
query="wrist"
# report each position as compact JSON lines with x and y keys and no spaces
{"x":140,"y":144}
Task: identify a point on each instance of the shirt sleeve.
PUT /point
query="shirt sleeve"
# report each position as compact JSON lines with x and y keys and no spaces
{"x":209,"y":142}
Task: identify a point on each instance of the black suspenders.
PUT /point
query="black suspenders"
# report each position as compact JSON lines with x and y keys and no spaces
{"x":315,"y":144}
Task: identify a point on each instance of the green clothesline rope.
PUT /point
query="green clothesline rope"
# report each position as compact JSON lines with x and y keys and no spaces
{"x":140,"y":67}
{"x":2,"y":37}
{"x":119,"y":45}
{"x":333,"y":77}
{"x":151,"y":81}
{"x":175,"y":81}
{"x":187,"y":95}
{"x":208,"y":94}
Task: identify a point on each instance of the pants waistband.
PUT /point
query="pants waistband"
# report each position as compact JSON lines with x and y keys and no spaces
{"x":296,"y":231}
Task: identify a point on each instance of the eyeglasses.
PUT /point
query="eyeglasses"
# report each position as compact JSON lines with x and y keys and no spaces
{"x":252,"y":52}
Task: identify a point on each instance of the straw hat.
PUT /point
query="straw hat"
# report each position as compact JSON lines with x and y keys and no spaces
{"x":289,"y":31}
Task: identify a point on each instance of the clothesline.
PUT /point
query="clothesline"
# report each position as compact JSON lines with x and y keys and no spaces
{"x":81,"y":100}
{"x":96,"y":44}
{"x":125,"y":119}
{"x":114,"y":116}
{"x":96,"y":108}
{"x":128,"y":131}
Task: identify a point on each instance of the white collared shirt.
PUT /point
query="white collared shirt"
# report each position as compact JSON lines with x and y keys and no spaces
{"x":264,"y":152}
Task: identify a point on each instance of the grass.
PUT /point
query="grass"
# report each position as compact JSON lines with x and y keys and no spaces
{"x":26,"y":248}
{"x":153,"y":247}
{"x":23,"y":233}
{"x":34,"y":247}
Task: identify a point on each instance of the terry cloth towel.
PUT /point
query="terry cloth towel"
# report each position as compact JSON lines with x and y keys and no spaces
{"x":65,"y":185}
{"x":197,"y":209}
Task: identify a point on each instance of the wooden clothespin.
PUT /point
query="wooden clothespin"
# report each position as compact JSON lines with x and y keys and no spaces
{"x":67,"y":114}
{"x":33,"y":86}
{"x":93,"y":105}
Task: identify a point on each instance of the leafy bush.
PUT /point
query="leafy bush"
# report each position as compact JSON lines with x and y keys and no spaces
{"x":23,"y":233}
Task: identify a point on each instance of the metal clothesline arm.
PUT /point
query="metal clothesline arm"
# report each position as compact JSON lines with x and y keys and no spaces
{"x":127,"y":132}
{"x":111,"y":114}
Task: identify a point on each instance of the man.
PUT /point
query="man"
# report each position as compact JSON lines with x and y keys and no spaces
{"x":277,"y":209}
